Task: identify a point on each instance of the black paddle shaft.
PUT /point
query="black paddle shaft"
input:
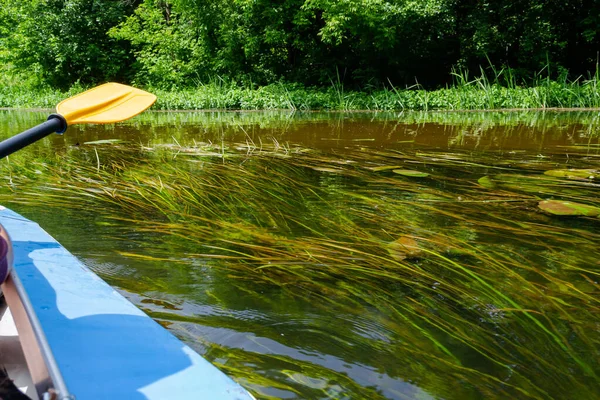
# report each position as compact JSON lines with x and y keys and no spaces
{"x":55,"y":123}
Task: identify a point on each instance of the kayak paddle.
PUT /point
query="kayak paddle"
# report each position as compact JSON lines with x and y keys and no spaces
{"x":104,"y":104}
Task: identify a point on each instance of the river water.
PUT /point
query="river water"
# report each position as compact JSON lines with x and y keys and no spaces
{"x":342,"y":255}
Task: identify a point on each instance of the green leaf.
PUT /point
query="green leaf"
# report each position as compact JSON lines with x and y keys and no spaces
{"x":411,"y":173}
{"x":557,"y":207}
{"x":405,"y":247}
{"x":384,"y":168}
{"x":105,"y":141}
{"x":573,"y":173}
{"x":487,"y":182}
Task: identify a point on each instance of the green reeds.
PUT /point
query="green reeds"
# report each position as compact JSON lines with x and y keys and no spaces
{"x":496,"y":89}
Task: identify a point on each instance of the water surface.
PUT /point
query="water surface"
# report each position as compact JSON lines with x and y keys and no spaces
{"x":286,"y":250}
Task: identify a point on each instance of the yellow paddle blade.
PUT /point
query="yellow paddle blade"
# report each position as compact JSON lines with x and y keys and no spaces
{"x":111,"y":102}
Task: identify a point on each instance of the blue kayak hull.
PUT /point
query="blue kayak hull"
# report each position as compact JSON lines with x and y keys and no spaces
{"x":104,"y":346}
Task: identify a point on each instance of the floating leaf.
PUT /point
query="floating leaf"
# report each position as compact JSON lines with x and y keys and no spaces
{"x":385,"y":168}
{"x":105,"y":141}
{"x":411,"y":173}
{"x":325,"y":169}
{"x":403,"y":248}
{"x":487,"y":182}
{"x":573,"y":173}
{"x":557,"y":207}
{"x":535,"y":184}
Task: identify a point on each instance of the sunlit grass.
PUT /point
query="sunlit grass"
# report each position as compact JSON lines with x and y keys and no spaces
{"x":481,"y":91}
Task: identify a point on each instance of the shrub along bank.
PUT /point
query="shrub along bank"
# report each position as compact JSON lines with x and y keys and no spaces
{"x":475,"y":95}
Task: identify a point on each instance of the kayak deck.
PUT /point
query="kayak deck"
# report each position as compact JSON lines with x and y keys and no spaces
{"x":104,"y":346}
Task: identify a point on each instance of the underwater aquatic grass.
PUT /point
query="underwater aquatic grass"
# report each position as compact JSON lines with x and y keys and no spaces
{"x":319,"y":227}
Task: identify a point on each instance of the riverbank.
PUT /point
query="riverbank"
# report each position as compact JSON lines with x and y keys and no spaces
{"x":478,"y":94}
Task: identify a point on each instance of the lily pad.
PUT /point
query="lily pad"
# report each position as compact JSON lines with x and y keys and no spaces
{"x":487,"y":182}
{"x":534,"y":184}
{"x":573,"y":173}
{"x":557,"y":207}
{"x":411,"y":173}
{"x":403,"y":248}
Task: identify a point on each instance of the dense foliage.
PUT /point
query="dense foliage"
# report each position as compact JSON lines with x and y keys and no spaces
{"x":314,"y":42}
{"x":66,"y":41}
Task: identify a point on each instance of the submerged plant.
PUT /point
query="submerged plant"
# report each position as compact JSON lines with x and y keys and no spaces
{"x":318,"y":273}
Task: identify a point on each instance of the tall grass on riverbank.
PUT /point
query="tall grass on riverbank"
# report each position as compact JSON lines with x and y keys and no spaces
{"x":466,"y":93}
{"x":474,"y":292}
{"x":17,"y":92}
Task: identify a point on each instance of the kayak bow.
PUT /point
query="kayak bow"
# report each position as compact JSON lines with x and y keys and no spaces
{"x":84,"y":340}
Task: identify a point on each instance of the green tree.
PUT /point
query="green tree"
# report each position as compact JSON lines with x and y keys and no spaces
{"x":529,"y":35}
{"x":167,"y":49}
{"x":66,"y":40}
{"x":313,"y":42}
{"x":306,"y":41}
